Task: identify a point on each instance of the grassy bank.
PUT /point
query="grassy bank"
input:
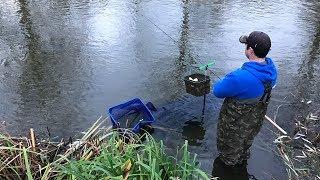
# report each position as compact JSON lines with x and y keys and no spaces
{"x":100,"y":154}
{"x":301,"y":151}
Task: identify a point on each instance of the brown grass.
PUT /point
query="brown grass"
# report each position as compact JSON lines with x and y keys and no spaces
{"x":301,"y":151}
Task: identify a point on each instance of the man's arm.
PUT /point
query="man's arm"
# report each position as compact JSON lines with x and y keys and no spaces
{"x":227,"y":87}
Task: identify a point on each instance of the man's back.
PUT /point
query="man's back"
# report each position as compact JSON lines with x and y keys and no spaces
{"x":247,"y":81}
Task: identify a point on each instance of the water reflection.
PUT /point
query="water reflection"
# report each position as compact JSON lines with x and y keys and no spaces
{"x":306,"y":80}
{"x":194,"y":132}
{"x":163,"y":68}
{"x":35,"y":78}
{"x":48,"y":98}
{"x":184,"y":37}
{"x":308,"y":71}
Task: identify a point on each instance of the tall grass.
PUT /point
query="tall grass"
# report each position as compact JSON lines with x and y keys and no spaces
{"x":100,"y":154}
{"x":18,"y":160}
{"x":120,"y":160}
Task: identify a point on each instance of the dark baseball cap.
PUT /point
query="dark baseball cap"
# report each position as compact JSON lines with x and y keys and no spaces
{"x":259,"y":41}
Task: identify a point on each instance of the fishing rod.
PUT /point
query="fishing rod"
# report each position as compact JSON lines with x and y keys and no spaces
{"x":204,"y":67}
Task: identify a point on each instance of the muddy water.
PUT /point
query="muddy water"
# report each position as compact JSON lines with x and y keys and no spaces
{"x":63,"y":62}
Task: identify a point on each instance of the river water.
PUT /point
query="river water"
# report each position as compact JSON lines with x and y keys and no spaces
{"x":64,"y":62}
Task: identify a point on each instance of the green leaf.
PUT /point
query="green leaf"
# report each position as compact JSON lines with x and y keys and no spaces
{"x":26,"y":161}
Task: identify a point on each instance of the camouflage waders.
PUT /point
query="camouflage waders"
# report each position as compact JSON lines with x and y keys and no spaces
{"x":239,"y":122}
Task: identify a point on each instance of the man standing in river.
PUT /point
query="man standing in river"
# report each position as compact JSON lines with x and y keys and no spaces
{"x":247,"y":92}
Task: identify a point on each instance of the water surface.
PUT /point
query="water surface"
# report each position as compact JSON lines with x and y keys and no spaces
{"x":63,"y":62}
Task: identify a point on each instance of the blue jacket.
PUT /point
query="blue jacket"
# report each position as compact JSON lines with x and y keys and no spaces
{"x":246,"y":82}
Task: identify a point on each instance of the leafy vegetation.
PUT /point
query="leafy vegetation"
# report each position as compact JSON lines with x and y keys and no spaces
{"x":101,"y":153}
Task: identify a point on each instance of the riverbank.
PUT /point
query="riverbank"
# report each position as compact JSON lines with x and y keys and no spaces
{"x":101,"y":153}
